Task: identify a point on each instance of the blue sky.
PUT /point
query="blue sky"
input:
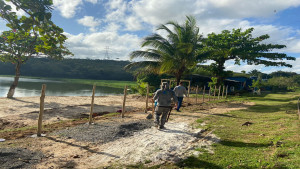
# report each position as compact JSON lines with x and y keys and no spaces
{"x":94,"y":25}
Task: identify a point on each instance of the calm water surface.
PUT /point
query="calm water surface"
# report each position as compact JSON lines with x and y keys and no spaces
{"x":32,"y":87}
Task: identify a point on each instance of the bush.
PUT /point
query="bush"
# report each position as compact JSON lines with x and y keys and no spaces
{"x":282,"y":84}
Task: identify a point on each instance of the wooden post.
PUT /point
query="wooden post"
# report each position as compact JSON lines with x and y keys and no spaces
{"x":147,"y":98}
{"x":197,"y":94}
{"x":124,"y":100}
{"x":226,"y":91}
{"x":209,"y":94}
{"x":299,"y":108}
{"x":219,"y":92}
{"x":223,"y":91}
{"x":42,"y":105}
{"x":189,"y":88}
{"x":153,"y":107}
{"x":215,"y":92}
{"x":92,"y":105}
{"x":203,"y":94}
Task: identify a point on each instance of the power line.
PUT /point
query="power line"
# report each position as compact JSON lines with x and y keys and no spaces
{"x":106,"y":53}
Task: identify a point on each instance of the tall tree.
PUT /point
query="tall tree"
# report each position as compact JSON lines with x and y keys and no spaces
{"x":30,"y":35}
{"x":175,"y":54}
{"x":254,"y":72}
{"x":241,"y":46}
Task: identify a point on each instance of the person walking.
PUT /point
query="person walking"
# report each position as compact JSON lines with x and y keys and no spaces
{"x":164,"y":98}
{"x":180,"y":91}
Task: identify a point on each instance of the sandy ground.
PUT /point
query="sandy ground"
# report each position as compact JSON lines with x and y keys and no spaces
{"x":25,"y":110}
{"x":152,"y":146}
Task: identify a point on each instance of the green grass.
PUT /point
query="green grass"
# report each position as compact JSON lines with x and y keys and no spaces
{"x":105,"y":83}
{"x":272,"y":141}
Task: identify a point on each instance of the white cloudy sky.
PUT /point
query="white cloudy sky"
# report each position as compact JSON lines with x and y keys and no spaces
{"x":93,"y":26}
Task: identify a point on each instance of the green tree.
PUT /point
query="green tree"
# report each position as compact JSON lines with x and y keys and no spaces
{"x":254,"y":72}
{"x":30,"y":35}
{"x":282,"y":84}
{"x":175,"y":54}
{"x":241,"y":46}
{"x":282,"y":74}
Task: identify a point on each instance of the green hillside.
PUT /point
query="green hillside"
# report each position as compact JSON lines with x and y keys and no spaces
{"x":71,"y":68}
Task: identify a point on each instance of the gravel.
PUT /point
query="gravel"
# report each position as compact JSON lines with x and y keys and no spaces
{"x":18,"y":158}
{"x":104,"y":132}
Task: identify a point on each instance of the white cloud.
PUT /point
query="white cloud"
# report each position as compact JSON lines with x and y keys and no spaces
{"x":67,"y":8}
{"x":19,"y":12}
{"x":133,"y":24}
{"x":157,"y":11}
{"x":112,"y":27}
{"x":118,"y":12}
{"x":92,"y":1}
{"x":94,"y":45}
{"x":115,"y":4}
{"x":89,"y":21}
{"x":229,"y":65}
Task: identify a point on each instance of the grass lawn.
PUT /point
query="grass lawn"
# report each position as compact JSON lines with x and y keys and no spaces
{"x":271,"y":141}
{"x":106,"y":83}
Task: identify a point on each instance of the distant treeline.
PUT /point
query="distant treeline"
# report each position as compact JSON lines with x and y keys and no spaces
{"x":71,"y":68}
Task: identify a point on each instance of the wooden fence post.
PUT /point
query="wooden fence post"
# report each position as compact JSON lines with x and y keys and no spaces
{"x":226,"y":91}
{"x":209,"y":94}
{"x":299,"y":107}
{"x":189,"y":89}
{"x":223,"y":91}
{"x":147,"y":98}
{"x":92,"y":105}
{"x":124,"y":100}
{"x":219,"y":92}
{"x":215,"y":92}
{"x":197,"y":93}
{"x":153,"y":107}
{"x":42,"y":105}
{"x":203,"y":94}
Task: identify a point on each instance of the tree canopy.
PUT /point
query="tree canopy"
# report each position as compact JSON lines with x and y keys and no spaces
{"x":174,"y":54}
{"x":240,"y":46}
{"x":31,"y":34}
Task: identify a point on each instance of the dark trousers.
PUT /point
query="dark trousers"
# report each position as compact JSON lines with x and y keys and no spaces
{"x":163,"y":112}
{"x":180,"y":99}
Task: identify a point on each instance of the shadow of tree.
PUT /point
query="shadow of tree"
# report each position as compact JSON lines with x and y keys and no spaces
{"x":242,"y":144}
{"x":277,"y":99}
{"x":193,"y":162}
{"x":262,"y":108}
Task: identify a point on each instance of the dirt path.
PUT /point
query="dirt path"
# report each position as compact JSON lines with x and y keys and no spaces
{"x":128,"y":141}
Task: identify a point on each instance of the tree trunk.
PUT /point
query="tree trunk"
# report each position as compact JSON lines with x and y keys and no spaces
{"x":220,"y":72}
{"x":179,"y":74}
{"x":13,"y":86}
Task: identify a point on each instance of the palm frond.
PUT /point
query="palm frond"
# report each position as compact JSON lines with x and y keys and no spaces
{"x":151,"y":66}
{"x":144,"y":54}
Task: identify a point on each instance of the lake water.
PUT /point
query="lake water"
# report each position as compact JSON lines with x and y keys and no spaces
{"x":32,"y":87}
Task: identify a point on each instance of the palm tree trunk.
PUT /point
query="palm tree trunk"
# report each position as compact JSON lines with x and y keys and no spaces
{"x":13,"y":86}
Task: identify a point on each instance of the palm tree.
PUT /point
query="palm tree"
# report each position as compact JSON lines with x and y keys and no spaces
{"x":175,"y":54}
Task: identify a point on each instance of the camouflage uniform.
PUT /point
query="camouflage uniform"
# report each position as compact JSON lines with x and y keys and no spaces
{"x":163,"y":97}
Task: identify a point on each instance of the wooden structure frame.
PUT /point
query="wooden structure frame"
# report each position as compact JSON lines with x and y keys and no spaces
{"x":170,"y":82}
